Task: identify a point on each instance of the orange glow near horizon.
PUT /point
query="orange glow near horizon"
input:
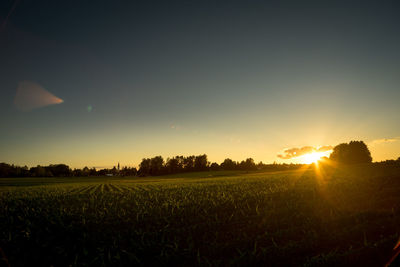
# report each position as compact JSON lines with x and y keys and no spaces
{"x":314,"y":157}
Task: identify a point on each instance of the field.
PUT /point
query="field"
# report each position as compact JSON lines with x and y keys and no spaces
{"x":311,"y":217}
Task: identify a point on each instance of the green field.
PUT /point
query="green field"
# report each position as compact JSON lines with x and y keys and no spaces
{"x":311,"y":217}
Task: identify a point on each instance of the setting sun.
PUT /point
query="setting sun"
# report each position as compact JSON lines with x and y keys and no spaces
{"x":233,"y":133}
{"x":313,"y":157}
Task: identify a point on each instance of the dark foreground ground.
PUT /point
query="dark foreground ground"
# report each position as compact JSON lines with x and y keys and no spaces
{"x":325,"y":216}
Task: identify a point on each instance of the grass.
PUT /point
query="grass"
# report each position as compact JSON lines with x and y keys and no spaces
{"x":311,"y":217}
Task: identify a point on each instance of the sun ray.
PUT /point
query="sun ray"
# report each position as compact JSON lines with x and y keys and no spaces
{"x":314,"y":157}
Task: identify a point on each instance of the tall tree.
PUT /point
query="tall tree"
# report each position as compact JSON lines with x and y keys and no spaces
{"x":144,"y":167}
{"x":173,"y":165}
{"x":201,"y":163}
{"x":157,"y":165}
{"x":228,"y":164}
{"x":351,"y":153}
{"x":188,"y":163}
{"x":248,"y":164}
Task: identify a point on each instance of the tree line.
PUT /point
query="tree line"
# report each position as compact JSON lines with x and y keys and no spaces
{"x":148,"y":167}
{"x":181,"y":164}
{"x":61,"y":170}
{"x":354,"y":152}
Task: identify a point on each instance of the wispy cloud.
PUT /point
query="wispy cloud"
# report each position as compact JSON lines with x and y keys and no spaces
{"x":300,"y":151}
{"x":384,"y":140}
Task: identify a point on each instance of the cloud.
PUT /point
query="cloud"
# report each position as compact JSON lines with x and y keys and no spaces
{"x":297,"y":152}
{"x":384,"y":140}
{"x":324,"y":148}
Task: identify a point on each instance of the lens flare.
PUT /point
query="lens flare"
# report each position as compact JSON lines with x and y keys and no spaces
{"x":31,"y":96}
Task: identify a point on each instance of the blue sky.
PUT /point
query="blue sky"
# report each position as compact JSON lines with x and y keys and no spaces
{"x":230,"y":79}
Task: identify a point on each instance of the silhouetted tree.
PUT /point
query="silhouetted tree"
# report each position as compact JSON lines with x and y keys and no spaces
{"x":351,"y":153}
{"x":157,"y":165}
{"x":214,"y":166}
{"x":114,"y":171}
{"x":173,"y":165}
{"x":228,"y":164}
{"x":188,"y":163}
{"x":4,"y":169}
{"x":21,"y":171}
{"x":92,"y":172}
{"x":40,"y":171}
{"x":126,"y":171}
{"x":248,"y":164}
{"x":85,"y":171}
{"x":149,"y":166}
{"x":59,"y":170}
{"x":144,"y":167}
{"x":180,"y":160}
{"x":201,"y":163}
{"x":102,"y":172}
{"x":7,"y":170}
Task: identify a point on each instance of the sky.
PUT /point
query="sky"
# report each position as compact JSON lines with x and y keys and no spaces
{"x":124,"y":80}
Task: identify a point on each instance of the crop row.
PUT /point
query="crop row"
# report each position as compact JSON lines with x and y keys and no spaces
{"x":283,"y":220}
